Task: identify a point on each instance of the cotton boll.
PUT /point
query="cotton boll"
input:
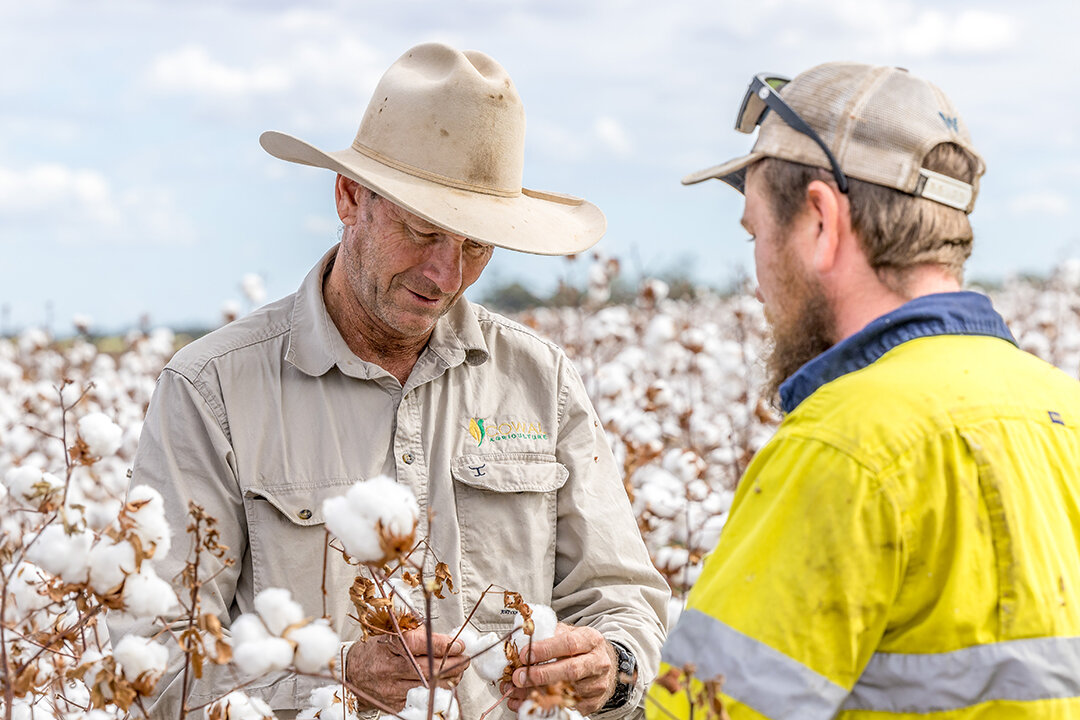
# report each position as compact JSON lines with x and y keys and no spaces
{"x":248,"y":628}
{"x":254,"y":288}
{"x":101,"y":435}
{"x":486,"y":652}
{"x":709,"y":534}
{"x":110,"y":562}
{"x":530,"y":710}
{"x":444,"y":705}
{"x":316,"y":645}
{"x":70,"y":393}
{"x":325,"y":703}
{"x":30,"y":484}
{"x":239,"y":706}
{"x":357,"y":534}
{"x":388,"y":501}
{"x":150,"y":523}
{"x":99,"y":515}
{"x":278,"y":610}
{"x":671,"y":559}
{"x":146,"y":595}
{"x":544,"y":623}
{"x":367,"y":506}
{"x":63,"y":554}
{"x":138,"y":655}
{"x":24,"y":591}
{"x":257,"y":658}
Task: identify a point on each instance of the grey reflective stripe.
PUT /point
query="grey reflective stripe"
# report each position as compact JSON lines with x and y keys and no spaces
{"x":754,"y":673}
{"x":1033,"y":669}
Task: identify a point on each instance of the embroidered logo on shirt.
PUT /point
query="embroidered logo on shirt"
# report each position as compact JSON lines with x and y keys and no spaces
{"x":1055,"y":417}
{"x":476,"y":429}
{"x":504,"y":428}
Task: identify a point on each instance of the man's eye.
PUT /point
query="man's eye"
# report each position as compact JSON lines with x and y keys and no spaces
{"x":421,"y":236}
{"x":477,"y":249}
{"x":750,"y":239}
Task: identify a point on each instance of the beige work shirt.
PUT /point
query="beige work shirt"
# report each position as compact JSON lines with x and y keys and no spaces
{"x":262,"y":420}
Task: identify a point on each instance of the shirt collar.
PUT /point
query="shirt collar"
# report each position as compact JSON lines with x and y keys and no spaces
{"x":315,"y":344}
{"x":957,"y":313}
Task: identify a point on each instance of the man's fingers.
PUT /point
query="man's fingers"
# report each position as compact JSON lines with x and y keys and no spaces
{"x":416,"y":641}
{"x":571,"y":669}
{"x":576,"y":641}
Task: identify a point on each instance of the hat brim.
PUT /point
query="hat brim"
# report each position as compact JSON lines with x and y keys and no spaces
{"x":733,"y":172}
{"x":541,"y":223}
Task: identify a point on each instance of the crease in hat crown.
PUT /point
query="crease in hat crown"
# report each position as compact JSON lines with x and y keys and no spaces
{"x":444,"y":137}
{"x":880,"y":122}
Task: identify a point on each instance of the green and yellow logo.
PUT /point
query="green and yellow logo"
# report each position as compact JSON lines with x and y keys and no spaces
{"x":476,"y":429}
{"x":494,"y":430}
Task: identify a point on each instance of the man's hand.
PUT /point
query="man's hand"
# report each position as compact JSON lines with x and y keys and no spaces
{"x":380,"y":667}
{"x":579,"y":656}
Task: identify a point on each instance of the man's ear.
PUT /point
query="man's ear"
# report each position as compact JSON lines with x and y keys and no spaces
{"x":347,"y":196}
{"x":827,"y":208}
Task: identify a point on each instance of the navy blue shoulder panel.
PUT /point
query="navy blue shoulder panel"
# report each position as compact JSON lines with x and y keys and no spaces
{"x":958,"y":313}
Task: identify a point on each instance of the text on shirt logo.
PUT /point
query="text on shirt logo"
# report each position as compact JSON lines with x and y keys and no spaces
{"x":504,"y":428}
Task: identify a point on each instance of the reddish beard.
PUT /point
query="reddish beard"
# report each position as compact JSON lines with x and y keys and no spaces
{"x":801,"y":328}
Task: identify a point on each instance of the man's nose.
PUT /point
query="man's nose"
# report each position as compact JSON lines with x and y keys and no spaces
{"x":443,"y":266}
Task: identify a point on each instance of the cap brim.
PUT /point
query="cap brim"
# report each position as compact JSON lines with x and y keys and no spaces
{"x":733,"y":172}
{"x":535,"y":222}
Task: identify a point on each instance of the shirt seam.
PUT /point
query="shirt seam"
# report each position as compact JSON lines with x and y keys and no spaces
{"x":507,"y":324}
{"x":215,"y":407}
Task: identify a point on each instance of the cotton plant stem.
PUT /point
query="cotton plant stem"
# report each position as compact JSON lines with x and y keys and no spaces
{"x":191,"y":618}
{"x":325,"y":558}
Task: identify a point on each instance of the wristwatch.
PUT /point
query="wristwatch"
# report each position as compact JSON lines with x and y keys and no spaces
{"x":625,"y":678}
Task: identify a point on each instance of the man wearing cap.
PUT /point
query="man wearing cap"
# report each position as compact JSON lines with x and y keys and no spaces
{"x":378,"y":366}
{"x":908,"y":544}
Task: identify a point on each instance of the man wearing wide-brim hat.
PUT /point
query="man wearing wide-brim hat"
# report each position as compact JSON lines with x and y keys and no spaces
{"x":378,"y":366}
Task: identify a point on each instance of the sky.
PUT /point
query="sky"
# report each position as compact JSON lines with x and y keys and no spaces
{"x":133,"y":188}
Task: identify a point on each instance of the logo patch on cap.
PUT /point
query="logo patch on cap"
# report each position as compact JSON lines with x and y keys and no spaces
{"x":951,"y":121}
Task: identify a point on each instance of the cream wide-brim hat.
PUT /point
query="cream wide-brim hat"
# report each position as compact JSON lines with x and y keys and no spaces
{"x":444,"y":138}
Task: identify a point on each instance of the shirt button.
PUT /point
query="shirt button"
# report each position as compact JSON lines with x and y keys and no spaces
{"x":408,"y":458}
{"x":304,"y":514}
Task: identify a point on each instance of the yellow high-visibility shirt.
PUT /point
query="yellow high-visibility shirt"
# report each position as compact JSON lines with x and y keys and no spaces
{"x":906,"y":546}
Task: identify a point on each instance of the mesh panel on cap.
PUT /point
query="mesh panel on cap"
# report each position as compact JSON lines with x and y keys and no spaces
{"x":879,"y":122}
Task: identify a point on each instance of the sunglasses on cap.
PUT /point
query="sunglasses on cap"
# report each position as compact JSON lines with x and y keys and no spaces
{"x":763,"y":95}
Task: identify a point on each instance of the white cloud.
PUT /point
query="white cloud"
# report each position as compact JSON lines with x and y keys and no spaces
{"x":981,"y":32}
{"x":192,"y":70}
{"x":56,"y":189}
{"x":971,"y":32}
{"x":612,"y":135}
{"x":1040,"y":203}
{"x":79,"y":205}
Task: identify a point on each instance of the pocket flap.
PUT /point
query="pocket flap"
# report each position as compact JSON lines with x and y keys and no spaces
{"x":512,"y":472}
{"x":302,"y":506}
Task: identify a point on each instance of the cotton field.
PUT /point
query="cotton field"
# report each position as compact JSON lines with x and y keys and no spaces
{"x":675,"y":382}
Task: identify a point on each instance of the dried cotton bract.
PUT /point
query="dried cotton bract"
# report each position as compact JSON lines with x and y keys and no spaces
{"x":375,"y":520}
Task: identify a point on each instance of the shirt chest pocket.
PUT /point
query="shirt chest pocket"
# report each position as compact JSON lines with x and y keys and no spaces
{"x":286,"y":539}
{"x":507,"y":511}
